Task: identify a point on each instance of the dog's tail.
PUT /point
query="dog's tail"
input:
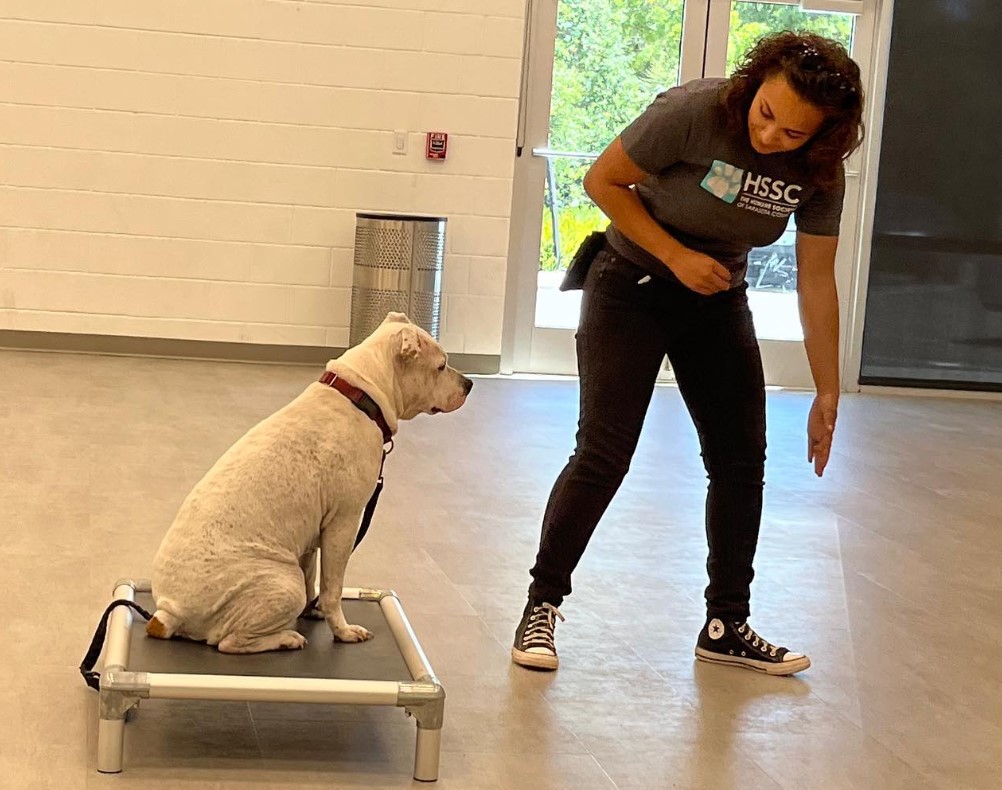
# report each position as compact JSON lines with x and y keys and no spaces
{"x":163,"y":625}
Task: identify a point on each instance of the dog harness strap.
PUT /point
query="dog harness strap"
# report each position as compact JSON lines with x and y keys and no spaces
{"x":361,"y":400}
{"x":92,"y":678}
{"x":370,"y":508}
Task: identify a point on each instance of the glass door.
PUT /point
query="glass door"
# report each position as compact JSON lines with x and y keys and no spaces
{"x":592,"y":67}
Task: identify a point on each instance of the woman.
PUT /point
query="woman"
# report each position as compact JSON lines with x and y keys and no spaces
{"x":711,"y":169}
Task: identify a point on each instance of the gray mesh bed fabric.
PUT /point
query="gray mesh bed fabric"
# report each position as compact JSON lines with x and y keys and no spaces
{"x":377,"y":659}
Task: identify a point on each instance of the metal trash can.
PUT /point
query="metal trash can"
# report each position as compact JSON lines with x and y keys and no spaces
{"x":398,"y":267}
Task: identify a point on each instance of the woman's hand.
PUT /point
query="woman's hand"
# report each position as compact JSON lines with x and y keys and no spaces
{"x":699,"y":272}
{"x":821,"y":431}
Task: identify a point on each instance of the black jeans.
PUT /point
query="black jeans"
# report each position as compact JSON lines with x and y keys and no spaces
{"x":626,"y":329}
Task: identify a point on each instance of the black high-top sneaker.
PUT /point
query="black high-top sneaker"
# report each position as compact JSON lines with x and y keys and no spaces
{"x":534,"y":645}
{"x":722,"y":642}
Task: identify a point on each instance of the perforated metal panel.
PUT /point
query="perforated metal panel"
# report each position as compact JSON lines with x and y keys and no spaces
{"x":398,"y":267}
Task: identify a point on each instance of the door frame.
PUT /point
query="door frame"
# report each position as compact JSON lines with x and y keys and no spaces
{"x":539,"y":44}
{"x":855,"y":295}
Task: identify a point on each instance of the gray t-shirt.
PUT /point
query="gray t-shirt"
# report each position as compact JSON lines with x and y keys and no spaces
{"x":710,"y":189}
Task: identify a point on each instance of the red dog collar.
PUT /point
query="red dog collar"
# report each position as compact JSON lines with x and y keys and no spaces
{"x":361,"y":400}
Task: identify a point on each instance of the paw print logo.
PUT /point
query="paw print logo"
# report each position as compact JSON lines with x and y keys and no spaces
{"x":723,"y":181}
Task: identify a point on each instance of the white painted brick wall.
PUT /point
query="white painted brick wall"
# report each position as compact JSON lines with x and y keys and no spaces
{"x":192,"y":169}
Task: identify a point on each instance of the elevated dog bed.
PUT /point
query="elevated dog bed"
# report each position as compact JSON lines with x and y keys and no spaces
{"x":391,"y":669}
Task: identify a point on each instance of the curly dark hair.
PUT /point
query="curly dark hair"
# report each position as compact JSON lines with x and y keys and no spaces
{"x":822,"y":73}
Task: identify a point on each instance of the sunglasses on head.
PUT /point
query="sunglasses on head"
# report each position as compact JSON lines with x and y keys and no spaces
{"x":812,"y":61}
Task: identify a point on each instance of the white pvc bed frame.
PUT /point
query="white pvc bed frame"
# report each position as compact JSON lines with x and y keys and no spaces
{"x":122,"y":689}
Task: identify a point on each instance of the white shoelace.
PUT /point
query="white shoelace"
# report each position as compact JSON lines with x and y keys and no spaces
{"x":541,"y":624}
{"x":757,"y":642}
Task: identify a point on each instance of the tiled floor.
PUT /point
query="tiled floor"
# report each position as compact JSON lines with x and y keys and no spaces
{"x":888,"y":572}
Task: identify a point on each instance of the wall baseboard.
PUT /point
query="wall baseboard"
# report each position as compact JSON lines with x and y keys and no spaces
{"x":121,"y":345}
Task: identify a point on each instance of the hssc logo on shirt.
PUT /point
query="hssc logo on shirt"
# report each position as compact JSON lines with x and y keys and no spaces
{"x":760,"y":194}
{"x":724,"y":181}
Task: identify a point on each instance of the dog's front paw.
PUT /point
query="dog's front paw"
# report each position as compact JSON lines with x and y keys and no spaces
{"x":352,"y":633}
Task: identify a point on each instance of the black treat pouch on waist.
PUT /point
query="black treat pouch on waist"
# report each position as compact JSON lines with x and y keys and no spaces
{"x":577,"y":270}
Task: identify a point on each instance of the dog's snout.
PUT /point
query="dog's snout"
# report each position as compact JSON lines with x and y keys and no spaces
{"x":467,"y":385}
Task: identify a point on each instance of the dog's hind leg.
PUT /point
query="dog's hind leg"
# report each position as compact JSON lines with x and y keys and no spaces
{"x":282,"y":640}
{"x":267,"y":608}
{"x":309,"y":565}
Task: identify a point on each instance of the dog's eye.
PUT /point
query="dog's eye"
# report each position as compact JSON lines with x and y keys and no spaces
{"x":441,"y":368}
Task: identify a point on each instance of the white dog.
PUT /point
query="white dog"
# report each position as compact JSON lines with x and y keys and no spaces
{"x":238,"y":565}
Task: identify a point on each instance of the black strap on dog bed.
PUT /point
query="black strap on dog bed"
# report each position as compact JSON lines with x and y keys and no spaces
{"x":92,"y":678}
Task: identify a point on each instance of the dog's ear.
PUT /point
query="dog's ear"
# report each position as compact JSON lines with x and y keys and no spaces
{"x":396,"y":318}
{"x":411,"y":343}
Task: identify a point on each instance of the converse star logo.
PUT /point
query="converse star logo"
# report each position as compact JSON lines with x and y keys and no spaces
{"x":715,"y":629}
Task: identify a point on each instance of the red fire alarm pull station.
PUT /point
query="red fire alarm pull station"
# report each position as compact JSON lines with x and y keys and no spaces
{"x":437,"y":145}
